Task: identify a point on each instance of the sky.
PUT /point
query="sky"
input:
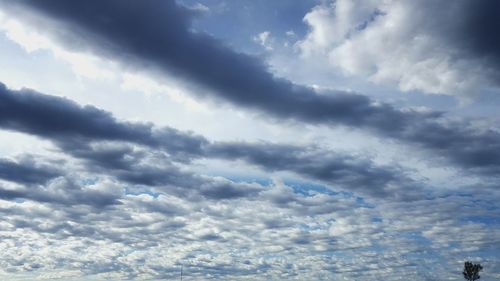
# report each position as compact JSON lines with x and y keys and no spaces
{"x":249,"y":139}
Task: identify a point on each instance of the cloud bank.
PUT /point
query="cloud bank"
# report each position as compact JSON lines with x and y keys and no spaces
{"x":158,"y":34}
{"x":103,"y":142}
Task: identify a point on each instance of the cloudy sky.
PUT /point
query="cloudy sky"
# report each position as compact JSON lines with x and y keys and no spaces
{"x":249,"y":139}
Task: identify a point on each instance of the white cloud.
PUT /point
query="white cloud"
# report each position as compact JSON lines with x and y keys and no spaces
{"x":200,"y":8}
{"x":265,"y":40}
{"x":390,"y":42}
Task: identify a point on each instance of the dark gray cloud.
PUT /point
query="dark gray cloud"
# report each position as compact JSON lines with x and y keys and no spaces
{"x":58,"y":118}
{"x":338,"y":170}
{"x":63,"y":192}
{"x":71,"y":125}
{"x":158,"y":34}
{"x":26,"y":172}
{"x":152,"y":168}
{"x":103,"y":143}
{"x":467,"y":147}
{"x":83,"y":132}
{"x":468,"y":30}
{"x":161,"y":37}
{"x":476,"y":30}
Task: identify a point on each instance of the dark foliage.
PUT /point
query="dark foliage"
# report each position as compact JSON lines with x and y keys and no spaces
{"x":471,"y":271}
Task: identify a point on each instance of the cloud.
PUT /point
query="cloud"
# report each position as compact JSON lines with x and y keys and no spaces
{"x":65,"y":192}
{"x":143,"y":154}
{"x":149,"y":235}
{"x":338,"y":170}
{"x":26,"y":171}
{"x":264,"y":40}
{"x":233,"y":77}
{"x":162,"y":39}
{"x":79,"y":222}
{"x":70,"y":124}
{"x":151,"y":166}
{"x":457,"y":142}
{"x":120,"y":200}
{"x":430,"y":46}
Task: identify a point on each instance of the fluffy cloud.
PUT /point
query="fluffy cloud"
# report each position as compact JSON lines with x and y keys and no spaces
{"x":150,"y":236}
{"x":435,"y":47}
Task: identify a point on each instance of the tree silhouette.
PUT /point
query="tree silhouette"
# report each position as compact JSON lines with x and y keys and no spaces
{"x":471,"y":271}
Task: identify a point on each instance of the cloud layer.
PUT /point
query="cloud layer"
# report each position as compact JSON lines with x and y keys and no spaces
{"x":162,"y":39}
{"x":90,"y":192}
{"x":94,"y":135}
{"x":128,"y":197}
